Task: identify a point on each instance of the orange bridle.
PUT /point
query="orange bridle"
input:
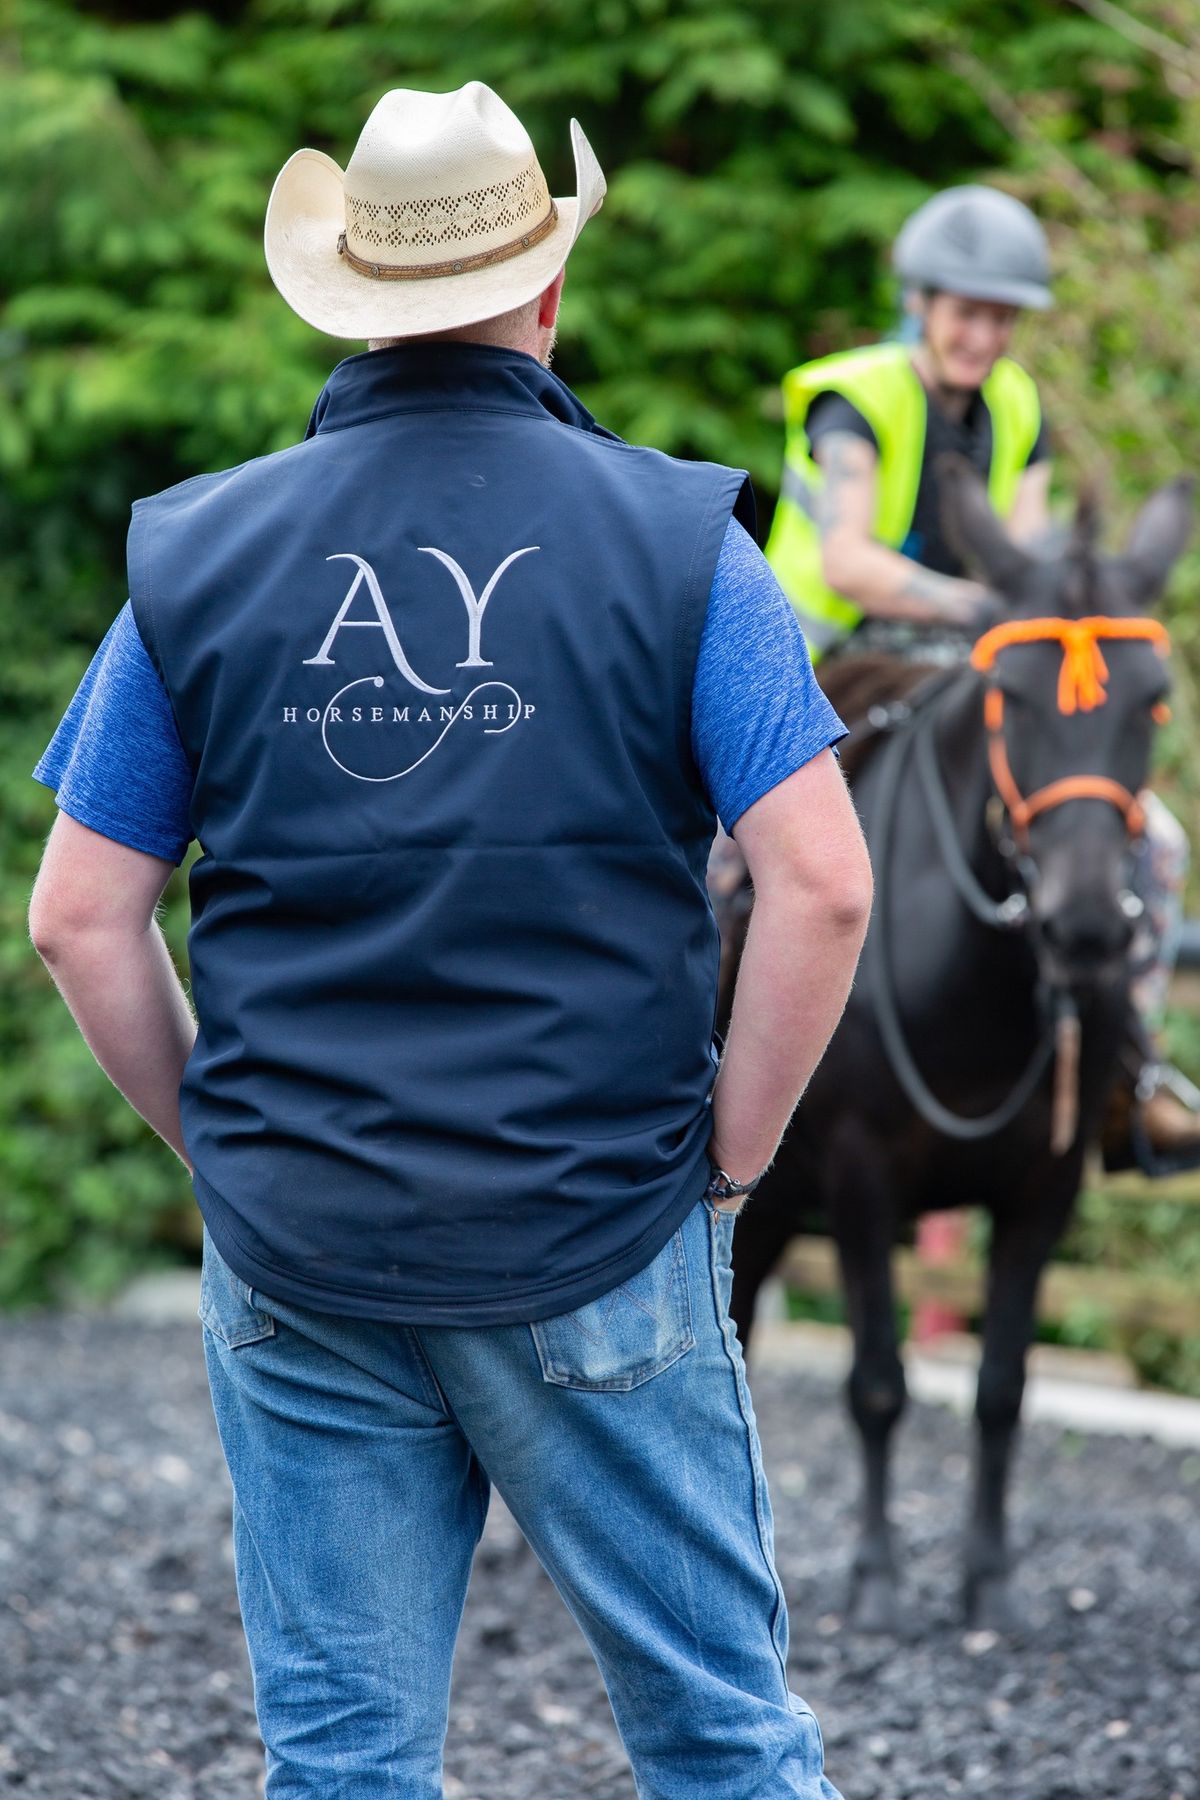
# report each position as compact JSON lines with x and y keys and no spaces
{"x":1080,"y":688}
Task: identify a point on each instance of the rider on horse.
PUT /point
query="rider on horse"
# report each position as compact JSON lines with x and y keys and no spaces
{"x":858,"y":542}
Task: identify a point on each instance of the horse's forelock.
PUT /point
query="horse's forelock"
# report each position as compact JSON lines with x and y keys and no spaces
{"x":1081,"y":588}
{"x":1078,"y":585}
{"x":1088,"y":516}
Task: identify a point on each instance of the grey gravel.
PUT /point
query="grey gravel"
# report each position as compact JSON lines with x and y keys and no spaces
{"x":123,"y":1673}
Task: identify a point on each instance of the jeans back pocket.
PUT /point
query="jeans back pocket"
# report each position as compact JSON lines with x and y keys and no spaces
{"x":621,"y":1340}
{"x":227,"y":1304}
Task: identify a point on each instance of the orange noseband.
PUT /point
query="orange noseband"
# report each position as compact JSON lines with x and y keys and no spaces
{"x":1080,"y":688}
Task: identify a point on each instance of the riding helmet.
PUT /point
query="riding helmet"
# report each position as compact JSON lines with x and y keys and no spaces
{"x":977,"y":242}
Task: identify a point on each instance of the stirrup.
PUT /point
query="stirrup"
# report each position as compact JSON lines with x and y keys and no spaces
{"x":1165,"y":1075}
{"x":1157,"y":1165}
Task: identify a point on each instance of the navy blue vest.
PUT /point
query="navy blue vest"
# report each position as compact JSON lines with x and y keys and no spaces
{"x":451,"y":953}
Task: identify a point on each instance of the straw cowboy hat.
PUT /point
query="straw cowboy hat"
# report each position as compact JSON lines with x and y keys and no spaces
{"x":442,"y":218}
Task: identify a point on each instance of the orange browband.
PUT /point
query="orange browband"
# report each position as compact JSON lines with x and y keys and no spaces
{"x":1084,"y":670}
{"x":1080,"y":686}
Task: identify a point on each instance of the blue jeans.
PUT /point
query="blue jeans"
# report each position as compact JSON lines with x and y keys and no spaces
{"x":623,"y":1440}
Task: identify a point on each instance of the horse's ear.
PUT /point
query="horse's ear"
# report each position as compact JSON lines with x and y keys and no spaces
{"x":1158,"y":537}
{"x":973,"y":529}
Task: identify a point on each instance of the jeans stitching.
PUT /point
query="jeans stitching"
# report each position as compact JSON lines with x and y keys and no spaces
{"x":235,"y":1335}
{"x":413,"y":1335}
{"x":559,"y":1374}
{"x":726,"y":1326}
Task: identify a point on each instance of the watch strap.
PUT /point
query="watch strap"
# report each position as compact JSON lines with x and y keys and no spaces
{"x":723,"y":1187}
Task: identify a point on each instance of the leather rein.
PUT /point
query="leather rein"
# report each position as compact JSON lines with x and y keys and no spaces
{"x":1081,"y":687}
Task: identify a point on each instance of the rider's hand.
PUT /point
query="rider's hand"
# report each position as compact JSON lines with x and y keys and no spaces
{"x":970,"y":607}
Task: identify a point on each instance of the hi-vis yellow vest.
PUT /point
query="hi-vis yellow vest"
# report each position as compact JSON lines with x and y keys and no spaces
{"x":882,"y":383}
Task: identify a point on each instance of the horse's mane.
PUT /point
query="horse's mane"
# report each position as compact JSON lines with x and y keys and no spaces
{"x":854,"y":684}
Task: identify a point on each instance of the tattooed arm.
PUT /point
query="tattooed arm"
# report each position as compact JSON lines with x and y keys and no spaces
{"x":883,"y":583}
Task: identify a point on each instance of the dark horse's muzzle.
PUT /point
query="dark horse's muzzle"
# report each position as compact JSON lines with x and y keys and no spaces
{"x":1084,"y":940}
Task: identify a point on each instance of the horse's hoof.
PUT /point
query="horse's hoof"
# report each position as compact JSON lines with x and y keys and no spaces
{"x":874,"y":1605}
{"x":989,"y":1606}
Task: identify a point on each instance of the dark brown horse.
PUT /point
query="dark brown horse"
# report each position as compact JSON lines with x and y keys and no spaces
{"x":1000,"y":829}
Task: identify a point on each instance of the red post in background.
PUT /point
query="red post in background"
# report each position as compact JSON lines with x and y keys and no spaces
{"x":941,"y":1239}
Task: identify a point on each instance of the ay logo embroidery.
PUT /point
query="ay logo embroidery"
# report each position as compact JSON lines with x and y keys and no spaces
{"x":355,"y":704}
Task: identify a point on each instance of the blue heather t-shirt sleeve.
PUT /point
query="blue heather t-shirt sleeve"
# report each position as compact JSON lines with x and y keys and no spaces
{"x":116,"y":762}
{"x":757,"y":712}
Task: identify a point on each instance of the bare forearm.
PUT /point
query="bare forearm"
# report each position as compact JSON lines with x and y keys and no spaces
{"x":795,"y":974}
{"x":887,"y":585}
{"x":127,"y":999}
{"x":877,"y":579}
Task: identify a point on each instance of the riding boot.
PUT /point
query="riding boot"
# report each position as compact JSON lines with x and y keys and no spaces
{"x":1152,"y":1119}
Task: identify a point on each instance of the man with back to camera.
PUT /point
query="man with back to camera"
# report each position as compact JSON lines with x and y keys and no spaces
{"x":451,"y":694}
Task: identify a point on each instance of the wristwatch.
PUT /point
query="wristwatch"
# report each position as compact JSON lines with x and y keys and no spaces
{"x":723,"y":1187}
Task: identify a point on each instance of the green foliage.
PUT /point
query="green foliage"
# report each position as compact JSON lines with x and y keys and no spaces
{"x":760,"y":159}
{"x":1157,"y":1239}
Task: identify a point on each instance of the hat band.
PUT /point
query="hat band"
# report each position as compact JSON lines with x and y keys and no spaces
{"x":460,"y":265}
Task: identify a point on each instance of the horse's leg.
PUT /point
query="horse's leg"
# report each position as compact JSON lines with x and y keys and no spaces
{"x":764,"y":1226}
{"x":863,"y":1221}
{"x":1022,"y":1238}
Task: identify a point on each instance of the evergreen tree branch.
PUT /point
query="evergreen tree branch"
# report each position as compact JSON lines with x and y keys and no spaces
{"x":1146,"y":37}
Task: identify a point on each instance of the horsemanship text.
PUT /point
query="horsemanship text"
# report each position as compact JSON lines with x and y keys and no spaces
{"x":503,"y":708}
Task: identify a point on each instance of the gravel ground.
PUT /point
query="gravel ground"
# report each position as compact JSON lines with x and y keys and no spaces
{"x":122,"y":1670}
